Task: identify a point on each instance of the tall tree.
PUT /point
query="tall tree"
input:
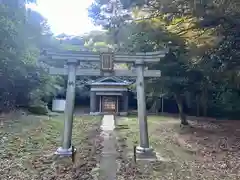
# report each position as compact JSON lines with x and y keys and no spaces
{"x":203,"y":63}
{"x":19,"y":46}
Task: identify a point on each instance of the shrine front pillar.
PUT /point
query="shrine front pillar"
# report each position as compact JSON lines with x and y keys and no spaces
{"x":125,"y":102}
{"x":93,"y":102}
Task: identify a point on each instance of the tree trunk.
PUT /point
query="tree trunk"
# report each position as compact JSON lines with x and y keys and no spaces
{"x":198,"y":105}
{"x":204,"y":102}
{"x":182,"y":114}
{"x":157,"y":106}
{"x":153,"y":107}
{"x":188,"y":100}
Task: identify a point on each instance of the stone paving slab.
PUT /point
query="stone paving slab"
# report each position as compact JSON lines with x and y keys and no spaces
{"x":108,"y":164}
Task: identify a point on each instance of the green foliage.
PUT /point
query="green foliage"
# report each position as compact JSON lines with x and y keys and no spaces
{"x":201,"y":68}
{"x":21,"y":39}
{"x":38,"y":109}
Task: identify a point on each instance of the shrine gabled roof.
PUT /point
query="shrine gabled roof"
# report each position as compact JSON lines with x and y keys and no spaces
{"x":110,"y":81}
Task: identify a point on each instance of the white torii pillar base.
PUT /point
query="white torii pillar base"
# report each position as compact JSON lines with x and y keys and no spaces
{"x":65,"y":152}
{"x":145,"y":153}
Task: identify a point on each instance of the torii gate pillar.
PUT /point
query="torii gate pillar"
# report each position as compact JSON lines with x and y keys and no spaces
{"x":143,"y":148}
{"x":66,"y":148}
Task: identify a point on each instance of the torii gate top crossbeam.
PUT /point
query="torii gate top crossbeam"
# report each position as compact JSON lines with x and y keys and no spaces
{"x":148,"y":57}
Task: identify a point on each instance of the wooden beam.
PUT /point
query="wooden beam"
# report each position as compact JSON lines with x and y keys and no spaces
{"x":91,"y":53}
{"x":97,"y":72}
{"x":149,"y":57}
{"x":117,"y":59}
{"x":79,"y":58}
{"x":132,"y":73}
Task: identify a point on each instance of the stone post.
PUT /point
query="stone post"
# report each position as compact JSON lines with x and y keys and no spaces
{"x":143,"y":148}
{"x":93,"y":101}
{"x":66,"y":148}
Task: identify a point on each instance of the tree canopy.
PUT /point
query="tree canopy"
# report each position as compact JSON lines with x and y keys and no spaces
{"x":201,"y":69}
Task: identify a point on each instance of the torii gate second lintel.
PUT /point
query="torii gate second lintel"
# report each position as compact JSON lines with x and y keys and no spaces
{"x":106,"y":59}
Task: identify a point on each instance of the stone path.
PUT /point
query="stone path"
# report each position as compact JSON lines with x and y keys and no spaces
{"x":108,"y":164}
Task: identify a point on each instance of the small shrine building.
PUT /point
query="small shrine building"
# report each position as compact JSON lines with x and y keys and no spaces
{"x":109,"y":95}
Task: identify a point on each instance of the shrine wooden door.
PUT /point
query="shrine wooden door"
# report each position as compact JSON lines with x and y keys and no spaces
{"x":109,"y":104}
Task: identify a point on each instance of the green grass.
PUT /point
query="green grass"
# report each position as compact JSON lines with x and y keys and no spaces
{"x":28,"y":144}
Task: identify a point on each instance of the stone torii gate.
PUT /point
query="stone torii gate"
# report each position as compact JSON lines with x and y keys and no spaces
{"x":106,"y":60}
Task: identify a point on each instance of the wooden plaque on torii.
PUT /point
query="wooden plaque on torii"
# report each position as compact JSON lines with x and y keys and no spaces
{"x":107,"y":62}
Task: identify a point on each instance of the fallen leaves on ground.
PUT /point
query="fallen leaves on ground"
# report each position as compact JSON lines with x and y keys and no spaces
{"x":27,"y":153}
{"x":207,"y":150}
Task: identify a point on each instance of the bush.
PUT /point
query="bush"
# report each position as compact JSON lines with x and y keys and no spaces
{"x":38,"y":109}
